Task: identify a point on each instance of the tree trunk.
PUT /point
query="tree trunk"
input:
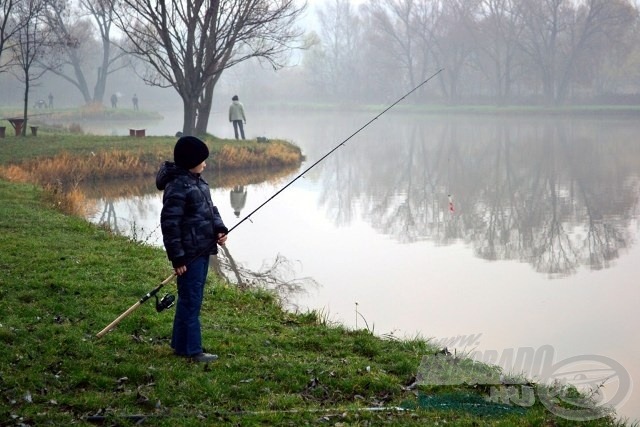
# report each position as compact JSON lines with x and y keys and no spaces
{"x":26,"y":104}
{"x":190,"y":115}
{"x":100,"y":86}
{"x":80,"y":81}
{"x":204,"y":108}
{"x":103,"y":71}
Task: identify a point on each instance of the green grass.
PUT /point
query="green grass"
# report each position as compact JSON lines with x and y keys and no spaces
{"x":63,"y":280}
{"x":48,"y":144}
{"x":15,"y":149}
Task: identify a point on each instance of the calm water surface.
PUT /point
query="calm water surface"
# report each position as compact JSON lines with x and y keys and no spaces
{"x":491,"y":235}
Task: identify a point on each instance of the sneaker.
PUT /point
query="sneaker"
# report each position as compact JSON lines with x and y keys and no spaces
{"x":204,"y":357}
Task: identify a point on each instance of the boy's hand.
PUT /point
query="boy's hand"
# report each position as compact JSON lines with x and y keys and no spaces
{"x":222,"y":238}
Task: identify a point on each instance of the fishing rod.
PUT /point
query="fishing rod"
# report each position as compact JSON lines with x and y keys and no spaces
{"x":335,"y":148}
{"x":166,"y":302}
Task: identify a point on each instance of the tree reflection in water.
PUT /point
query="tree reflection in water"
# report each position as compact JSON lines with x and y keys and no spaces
{"x":546,"y":192}
{"x":279,"y":277}
{"x":558,"y":194}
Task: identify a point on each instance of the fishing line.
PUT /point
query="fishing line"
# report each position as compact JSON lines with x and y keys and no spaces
{"x":341,"y":144}
{"x":154,"y":291}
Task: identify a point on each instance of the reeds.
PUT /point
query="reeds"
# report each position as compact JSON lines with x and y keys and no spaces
{"x":71,"y":169}
{"x":71,"y":201}
{"x":61,"y":174}
{"x":260,"y":156}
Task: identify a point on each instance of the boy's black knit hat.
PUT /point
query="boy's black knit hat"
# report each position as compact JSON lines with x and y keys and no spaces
{"x":189,"y":152}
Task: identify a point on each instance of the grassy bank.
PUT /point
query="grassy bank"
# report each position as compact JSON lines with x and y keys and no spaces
{"x":64,"y":279}
{"x":19,"y":149}
{"x":68,"y":160}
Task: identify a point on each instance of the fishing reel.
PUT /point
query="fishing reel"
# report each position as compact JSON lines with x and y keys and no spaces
{"x":165,"y":302}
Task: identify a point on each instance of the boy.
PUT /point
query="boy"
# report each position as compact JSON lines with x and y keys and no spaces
{"x":191,"y":230}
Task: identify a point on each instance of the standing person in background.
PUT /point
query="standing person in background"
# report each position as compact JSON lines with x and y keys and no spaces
{"x":50,"y":100}
{"x":114,"y":101}
{"x":135,"y":102}
{"x":236,"y":116}
{"x":191,"y":230}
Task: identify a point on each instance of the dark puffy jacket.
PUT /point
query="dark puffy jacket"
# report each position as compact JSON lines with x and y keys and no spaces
{"x":189,"y":221}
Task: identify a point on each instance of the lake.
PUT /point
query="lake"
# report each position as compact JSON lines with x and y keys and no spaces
{"x":508,"y":238}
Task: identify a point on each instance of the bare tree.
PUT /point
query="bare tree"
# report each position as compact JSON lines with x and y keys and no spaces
{"x":188,"y":44}
{"x":599,"y":25}
{"x":391,"y":30}
{"x":74,"y":33}
{"x":455,"y":43}
{"x":9,"y":27}
{"x":340,"y":28}
{"x":415,"y":35}
{"x":314,"y":66}
{"x":498,"y":32}
{"x":426,"y":22}
{"x":31,"y":43}
{"x":558,"y":34}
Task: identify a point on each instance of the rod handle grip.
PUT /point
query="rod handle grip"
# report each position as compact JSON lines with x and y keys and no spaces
{"x":118,"y":319}
{"x":134,"y":307}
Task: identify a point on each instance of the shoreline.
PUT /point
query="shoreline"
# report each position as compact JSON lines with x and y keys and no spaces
{"x":78,"y":277}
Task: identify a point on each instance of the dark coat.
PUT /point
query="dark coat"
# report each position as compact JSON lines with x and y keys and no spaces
{"x":189,"y":220}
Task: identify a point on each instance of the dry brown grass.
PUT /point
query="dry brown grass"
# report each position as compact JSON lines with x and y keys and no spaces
{"x":72,"y":169}
{"x":62,"y":174}
{"x":71,"y":202}
{"x":262,"y":156}
{"x":14,"y":173}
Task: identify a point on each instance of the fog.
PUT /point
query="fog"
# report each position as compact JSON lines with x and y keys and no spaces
{"x":368,"y":52}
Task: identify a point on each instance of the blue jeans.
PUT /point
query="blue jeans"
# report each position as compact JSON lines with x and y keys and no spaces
{"x":186,"y":339}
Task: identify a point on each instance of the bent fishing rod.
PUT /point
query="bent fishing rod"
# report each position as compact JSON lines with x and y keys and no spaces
{"x":167,"y":302}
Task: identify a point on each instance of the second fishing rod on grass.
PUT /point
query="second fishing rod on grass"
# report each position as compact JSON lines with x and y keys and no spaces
{"x":167,"y":300}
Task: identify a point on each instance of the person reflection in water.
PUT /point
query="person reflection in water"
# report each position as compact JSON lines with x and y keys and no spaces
{"x":238,"y":197}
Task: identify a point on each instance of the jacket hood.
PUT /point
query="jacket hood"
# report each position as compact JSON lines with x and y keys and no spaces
{"x":168,"y":172}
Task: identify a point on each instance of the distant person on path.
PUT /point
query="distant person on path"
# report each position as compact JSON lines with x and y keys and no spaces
{"x":135,"y":102}
{"x":50,"y":100}
{"x":114,"y":101}
{"x":192,"y":229}
{"x":238,"y":198}
{"x":236,"y":116}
